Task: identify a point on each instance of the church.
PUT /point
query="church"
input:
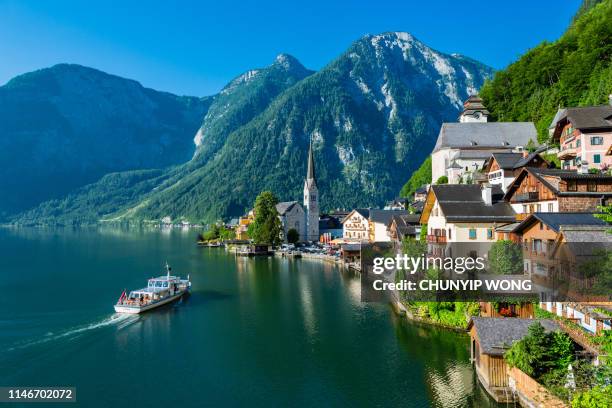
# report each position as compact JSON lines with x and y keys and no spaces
{"x":304,"y":219}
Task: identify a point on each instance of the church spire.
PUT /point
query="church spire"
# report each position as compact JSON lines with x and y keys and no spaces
{"x":310,"y":175}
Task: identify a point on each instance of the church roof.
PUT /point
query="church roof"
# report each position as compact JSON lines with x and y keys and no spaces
{"x":475,"y":135}
{"x":474,"y":104}
{"x":311,"y":179}
{"x":285,"y":206}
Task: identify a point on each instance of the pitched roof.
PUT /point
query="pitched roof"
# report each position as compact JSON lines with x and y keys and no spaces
{"x":311,"y":179}
{"x":384,"y":216}
{"x":485,"y":134}
{"x":496,"y":334}
{"x":405,"y":224}
{"x":513,"y":161}
{"x":463,"y":202}
{"x":364,"y":212}
{"x":585,"y":117}
{"x":557,"y":220}
{"x":474,"y":104}
{"x":541,"y":174}
{"x":285,"y":206}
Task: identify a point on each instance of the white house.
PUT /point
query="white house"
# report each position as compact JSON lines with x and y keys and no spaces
{"x":356,"y":225}
{"x":464,"y":147}
{"x":465,"y":213}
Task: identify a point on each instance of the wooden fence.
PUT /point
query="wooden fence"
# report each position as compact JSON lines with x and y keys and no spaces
{"x":530,"y":391}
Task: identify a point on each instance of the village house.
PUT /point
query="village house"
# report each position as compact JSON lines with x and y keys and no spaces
{"x":502,"y":168}
{"x":523,"y":310}
{"x":403,"y":226}
{"x":464,"y":213}
{"x":243,"y":226}
{"x":330,"y":226}
{"x":463,"y":148}
{"x":397,"y":204}
{"x":490,"y":338}
{"x":557,"y":190}
{"x":379,"y":220}
{"x":584,"y":135}
{"x":593,"y":317}
{"x":420,"y":194}
{"x":368,"y":224}
{"x":542,"y":233}
{"x":356,"y":225}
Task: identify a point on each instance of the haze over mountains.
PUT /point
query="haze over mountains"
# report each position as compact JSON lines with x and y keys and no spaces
{"x":373,"y":114}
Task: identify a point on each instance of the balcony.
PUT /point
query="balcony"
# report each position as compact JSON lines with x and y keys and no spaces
{"x":436,"y":239}
{"x":567,"y":152}
{"x":524,"y":197}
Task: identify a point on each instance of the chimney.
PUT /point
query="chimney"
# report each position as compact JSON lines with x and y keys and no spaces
{"x":584,"y":167}
{"x":487,"y":194}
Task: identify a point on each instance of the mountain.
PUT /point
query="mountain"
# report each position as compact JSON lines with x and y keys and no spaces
{"x":66,"y":126}
{"x":575,"y":70}
{"x":236,"y":104}
{"x":242,"y":99}
{"x":373,"y":114}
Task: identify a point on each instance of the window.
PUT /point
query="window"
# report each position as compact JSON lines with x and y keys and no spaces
{"x":572,"y":185}
{"x":591,"y":186}
{"x":539,"y":207}
{"x":578,"y":143}
{"x":550,"y":207}
{"x":597,"y":158}
{"x":472,"y":233}
{"x":450,"y":236}
{"x":524,"y":208}
{"x":541,"y":226}
{"x":490,"y":233}
{"x":587,"y":319}
{"x":596,"y":140}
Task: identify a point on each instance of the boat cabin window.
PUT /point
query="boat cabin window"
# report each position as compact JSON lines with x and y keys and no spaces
{"x":165,"y":284}
{"x":158,"y":284}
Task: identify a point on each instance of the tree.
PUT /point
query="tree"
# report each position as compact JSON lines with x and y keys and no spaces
{"x":421,"y":176}
{"x":266,"y":226}
{"x":442,"y":180}
{"x":539,"y":353}
{"x":293,"y":236}
{"x":506,"y":258}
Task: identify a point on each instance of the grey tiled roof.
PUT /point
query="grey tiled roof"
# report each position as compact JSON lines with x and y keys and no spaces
{"x":557,"y":220}
{"x":485,"y":134}
{"x":384,"y":216}
{"x":285,"y":206}
{"x":496,"y":334}
{"x":463,"y":202}
{"x":586,"y":117}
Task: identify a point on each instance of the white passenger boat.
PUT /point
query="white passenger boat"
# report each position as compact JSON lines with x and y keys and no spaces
{"x":159,"y":291}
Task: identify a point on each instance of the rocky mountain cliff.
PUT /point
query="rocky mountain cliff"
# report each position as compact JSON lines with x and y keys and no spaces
{"x":373,"y":114}
{"x":68,"y":125}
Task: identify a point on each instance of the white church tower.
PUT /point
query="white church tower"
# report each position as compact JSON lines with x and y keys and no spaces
{"x":311,"y":200}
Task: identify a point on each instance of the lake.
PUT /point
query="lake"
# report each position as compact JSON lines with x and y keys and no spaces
{"x":254,"y":332}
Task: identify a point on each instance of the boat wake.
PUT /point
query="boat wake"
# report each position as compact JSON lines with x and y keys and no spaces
{"x":120,"y":321}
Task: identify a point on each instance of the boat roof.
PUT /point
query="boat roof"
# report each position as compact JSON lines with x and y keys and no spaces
{"x":165,"y":278}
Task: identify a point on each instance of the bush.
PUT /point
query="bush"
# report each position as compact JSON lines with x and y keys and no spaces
{"x":293,"y":236}
{"x":597,"y":397}
{"x":442,"y":180}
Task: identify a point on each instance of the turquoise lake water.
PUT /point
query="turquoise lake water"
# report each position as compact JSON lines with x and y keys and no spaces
{"x":254,"y":332}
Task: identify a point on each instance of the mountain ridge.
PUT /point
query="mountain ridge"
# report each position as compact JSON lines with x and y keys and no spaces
{"x":371,"y":113}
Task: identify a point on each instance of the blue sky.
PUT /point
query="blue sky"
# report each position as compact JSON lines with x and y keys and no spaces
{"x":195,"y":47}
